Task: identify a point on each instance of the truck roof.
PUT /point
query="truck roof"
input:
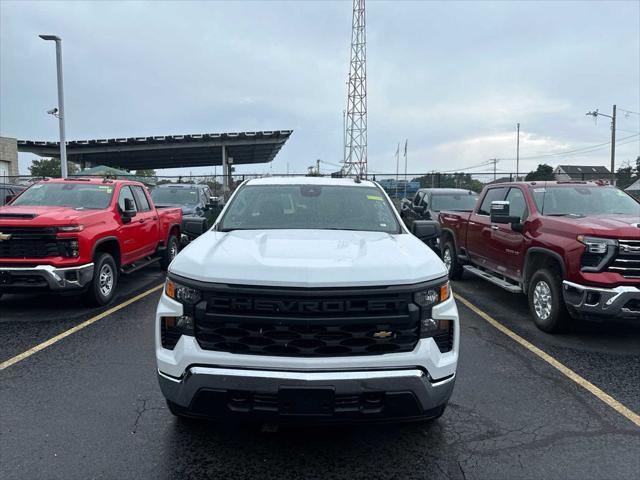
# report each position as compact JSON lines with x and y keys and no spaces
{"x":552,"y":183}
{"x":445,"y":191}
{"x":89,"y":180}
{"x":311,"y":181}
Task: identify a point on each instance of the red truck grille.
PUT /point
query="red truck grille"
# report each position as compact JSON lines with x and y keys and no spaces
{"x":627,"y":261}
{"x":27,"y":242}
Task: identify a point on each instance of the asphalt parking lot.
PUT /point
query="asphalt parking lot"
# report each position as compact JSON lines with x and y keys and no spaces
{"x":89,"y":405}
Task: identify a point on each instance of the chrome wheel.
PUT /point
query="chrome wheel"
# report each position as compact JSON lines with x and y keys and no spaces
{"x":542,"y":300}
{"x":446,"y":258}
{"x":105,"y":280}
{"x":173,"y":250}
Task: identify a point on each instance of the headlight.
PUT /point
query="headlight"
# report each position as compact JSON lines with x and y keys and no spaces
{"x":433,"y":296}
{"x":182,"y":293}
{"x":70,"y":228}
{"x":597,"y":245}
{"x":440,"y":330}
{"x":172,"y":328}
{"x":597,"y":253}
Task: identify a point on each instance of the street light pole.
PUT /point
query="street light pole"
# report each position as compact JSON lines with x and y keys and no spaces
{"x":63,"y":142}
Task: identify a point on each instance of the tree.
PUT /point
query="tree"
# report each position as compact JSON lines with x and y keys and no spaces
{"x":624,"y":177}
{"x":543,"y":172}
{"x":50,"y":167}
{"x":149,"y":172}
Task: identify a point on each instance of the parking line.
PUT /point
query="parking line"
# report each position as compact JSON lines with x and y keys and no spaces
{"x":77,"y":328}
{"x":584,"y":383}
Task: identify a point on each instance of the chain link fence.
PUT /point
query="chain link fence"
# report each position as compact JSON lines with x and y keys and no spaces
{"x":398,"y":186}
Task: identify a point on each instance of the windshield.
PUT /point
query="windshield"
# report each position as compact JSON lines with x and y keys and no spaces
{"x":174,"y":196}
{"x":72,"y":195}
{"x":463,"y":202}
{"x":310,"y":207}
{"x":578,"y":200}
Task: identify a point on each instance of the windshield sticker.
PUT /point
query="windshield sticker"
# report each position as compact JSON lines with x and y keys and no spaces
{"x":37,"y":186}
{"x":106,"y":189}
{"x":540,"y":190}
{"x":374,"y":197}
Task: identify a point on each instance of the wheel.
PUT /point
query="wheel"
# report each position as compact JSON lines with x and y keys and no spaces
{"x":169,"y":253}
{"x":546,"y":302}
{"x":450,"y":260}
{"x":105,"y":278}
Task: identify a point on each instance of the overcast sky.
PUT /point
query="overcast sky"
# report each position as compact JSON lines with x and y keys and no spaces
{"x":453,"y":78}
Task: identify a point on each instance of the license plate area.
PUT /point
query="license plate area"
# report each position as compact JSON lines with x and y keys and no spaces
{"x":306,"y":400}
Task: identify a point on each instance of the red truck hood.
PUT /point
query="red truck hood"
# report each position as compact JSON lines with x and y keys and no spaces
{"x":612,"y":226}
{"x":42,"y":216}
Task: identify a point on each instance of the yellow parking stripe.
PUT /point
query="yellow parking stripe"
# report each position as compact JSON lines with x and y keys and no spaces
{"x":590,"y":387}
{"x":77,"y":328}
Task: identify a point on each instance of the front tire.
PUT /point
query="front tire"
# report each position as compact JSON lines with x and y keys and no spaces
{"x":105,"y":279}
{"x":450,"y":259}
{"x":169,"y":253}
{"x":546,"y":302}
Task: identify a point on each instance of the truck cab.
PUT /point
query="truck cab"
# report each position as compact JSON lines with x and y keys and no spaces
{"x":572,"y":247}
{"x":79,"y":235}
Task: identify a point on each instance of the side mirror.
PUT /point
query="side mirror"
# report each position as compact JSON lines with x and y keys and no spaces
{"x":500,"y":213}
{"x":426,"y":230}
{"x":129,"y":210}
{"x":418,"y":208}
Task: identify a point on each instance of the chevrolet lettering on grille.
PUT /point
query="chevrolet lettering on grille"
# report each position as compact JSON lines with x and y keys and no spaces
{"x":305,"y":306}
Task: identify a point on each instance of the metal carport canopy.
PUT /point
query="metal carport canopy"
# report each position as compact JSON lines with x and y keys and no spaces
{"x":167,"y":151}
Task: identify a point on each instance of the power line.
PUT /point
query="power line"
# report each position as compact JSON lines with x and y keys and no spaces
{"x":580,"y":150}
{"x":629,"y":111}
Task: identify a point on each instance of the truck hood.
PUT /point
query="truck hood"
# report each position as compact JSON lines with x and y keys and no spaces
{"x":40,"y":216}
{"x":612,"y":226}
{"x":308,"y":258}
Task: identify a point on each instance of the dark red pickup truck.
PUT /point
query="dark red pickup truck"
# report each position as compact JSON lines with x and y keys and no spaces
{"x":572,"y":247}
{"x":79,"y":235}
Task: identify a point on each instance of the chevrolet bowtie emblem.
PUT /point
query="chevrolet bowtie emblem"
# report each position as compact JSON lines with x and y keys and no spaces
{"x":382,"y":334}
{"x":4,"y":236}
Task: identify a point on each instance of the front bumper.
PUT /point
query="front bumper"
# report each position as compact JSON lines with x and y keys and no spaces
{"x":45,"y":277}
{"x":601,"y":303}
{"x":345,"y":395}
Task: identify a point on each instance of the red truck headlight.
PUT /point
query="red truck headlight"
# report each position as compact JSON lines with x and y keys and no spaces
{"x":597,"y":253}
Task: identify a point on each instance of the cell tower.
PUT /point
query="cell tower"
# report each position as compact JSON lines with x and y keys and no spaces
{"x":355,"y":157}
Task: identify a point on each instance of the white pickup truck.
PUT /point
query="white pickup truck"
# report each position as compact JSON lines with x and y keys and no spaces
{"x":308,"y":300}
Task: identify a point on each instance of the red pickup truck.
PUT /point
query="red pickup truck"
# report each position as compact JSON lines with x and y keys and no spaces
{"x":78,"y":235}
{"x":572,"y":247}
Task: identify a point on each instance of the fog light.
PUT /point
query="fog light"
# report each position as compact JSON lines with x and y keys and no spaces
{"x":593,"y":298}
{"x":172,"y":328}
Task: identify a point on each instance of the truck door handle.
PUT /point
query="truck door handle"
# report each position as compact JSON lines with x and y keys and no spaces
{"x":495,"y":227}
{"x":142,"y":220}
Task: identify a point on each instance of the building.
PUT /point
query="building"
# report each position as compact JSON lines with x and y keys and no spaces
{"x":8,"y":157}
{"x":581,"y":172}
{"x":634,"y":189}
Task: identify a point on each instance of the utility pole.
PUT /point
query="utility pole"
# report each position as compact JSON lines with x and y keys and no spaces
{"x":61,"y":118}
{"x":595,"y":113}
{"x":495,"y":164}
{"x":318,"y":166}
{"x":518,"y":154}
